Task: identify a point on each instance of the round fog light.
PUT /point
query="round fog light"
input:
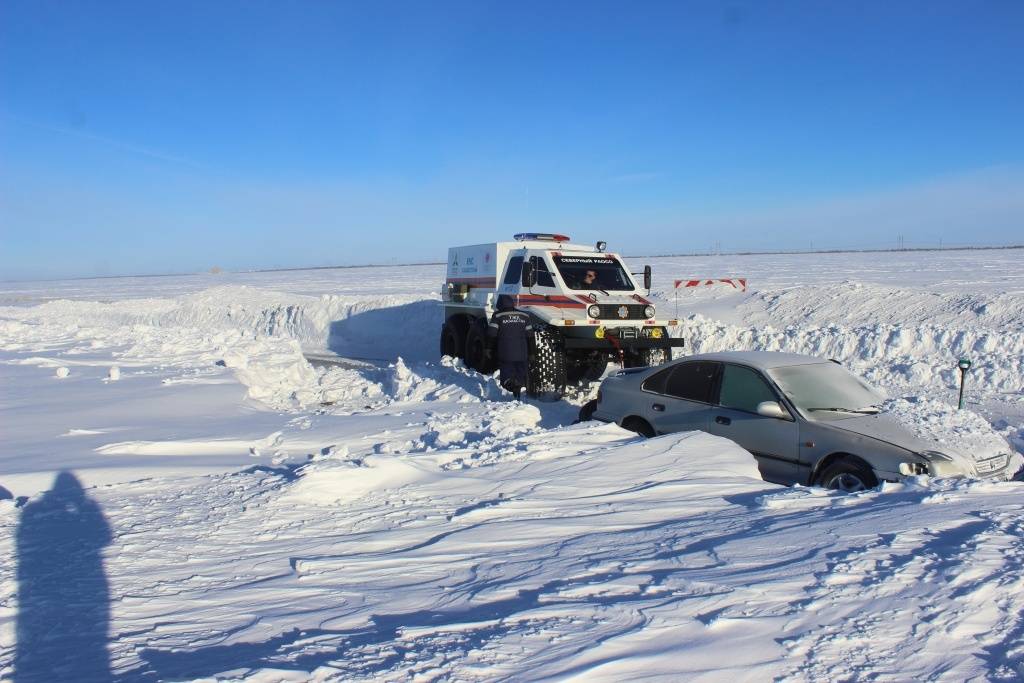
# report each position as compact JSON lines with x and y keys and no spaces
{"x":594,"y":311}
{"x":649,"y":311}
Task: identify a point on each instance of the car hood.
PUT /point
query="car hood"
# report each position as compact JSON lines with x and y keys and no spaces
{"x":885,"y":428}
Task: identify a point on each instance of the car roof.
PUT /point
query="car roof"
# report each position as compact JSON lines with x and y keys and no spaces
{"x":762,"y":360}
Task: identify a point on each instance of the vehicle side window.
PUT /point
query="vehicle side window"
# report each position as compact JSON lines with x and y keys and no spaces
{"x":544,"y":278}
{"x":515,"y":270}
{"x":693,"y":381}
{"x":657,"y":381}
{"x":743,"y":389}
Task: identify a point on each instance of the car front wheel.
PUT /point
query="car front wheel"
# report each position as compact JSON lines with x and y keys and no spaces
{"x":848,"y":476}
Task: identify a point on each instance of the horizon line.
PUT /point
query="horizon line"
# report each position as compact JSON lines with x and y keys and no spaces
{"x":692,"y":254}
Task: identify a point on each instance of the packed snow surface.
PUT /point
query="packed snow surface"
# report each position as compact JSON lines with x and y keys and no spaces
{"x":185,"y":496}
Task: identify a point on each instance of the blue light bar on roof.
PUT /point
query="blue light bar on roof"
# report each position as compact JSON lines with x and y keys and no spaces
{"x":540,"y":237}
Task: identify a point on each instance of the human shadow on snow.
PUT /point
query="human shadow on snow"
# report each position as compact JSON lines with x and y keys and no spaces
{"x":63,"y":596}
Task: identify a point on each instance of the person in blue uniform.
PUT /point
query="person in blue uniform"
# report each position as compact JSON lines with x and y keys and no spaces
{"x":513,"y":330}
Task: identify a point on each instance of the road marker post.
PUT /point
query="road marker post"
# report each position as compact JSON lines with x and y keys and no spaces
{"x":964,"y":365}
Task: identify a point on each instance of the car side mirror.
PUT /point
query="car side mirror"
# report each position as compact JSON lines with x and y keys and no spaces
{"x":529,"y":274}
{"x":772,"y":409}
{"x":647,"y":278}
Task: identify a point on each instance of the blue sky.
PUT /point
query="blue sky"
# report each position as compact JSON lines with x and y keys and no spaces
{"x":154,"y":137}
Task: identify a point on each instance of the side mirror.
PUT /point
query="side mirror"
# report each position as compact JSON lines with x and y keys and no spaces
{"x":772,"y":409}
{"x":529,"y":274}
{"x":647,"y":278}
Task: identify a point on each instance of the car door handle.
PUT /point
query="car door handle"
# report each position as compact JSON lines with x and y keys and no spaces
{"x":658,"y":407}
{"x":722,"y":420}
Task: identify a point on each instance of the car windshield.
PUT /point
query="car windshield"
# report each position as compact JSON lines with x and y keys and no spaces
{"x":602,"y":273}
{"x":826,"y":391}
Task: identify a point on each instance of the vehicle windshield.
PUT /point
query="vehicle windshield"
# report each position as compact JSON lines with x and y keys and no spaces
{"x":826,"y":391}
{"x":601,"y":273}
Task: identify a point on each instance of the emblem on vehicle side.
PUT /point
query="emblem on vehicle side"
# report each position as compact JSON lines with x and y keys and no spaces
{"x":623,"y":312}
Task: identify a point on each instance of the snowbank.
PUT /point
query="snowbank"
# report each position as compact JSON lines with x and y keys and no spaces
{"x":404,"y":519}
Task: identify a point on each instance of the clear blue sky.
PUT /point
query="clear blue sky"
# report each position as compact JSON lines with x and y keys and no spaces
{"x":148,"y":137}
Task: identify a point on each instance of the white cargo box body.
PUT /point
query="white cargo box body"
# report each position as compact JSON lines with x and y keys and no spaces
{"x":480,"y":265}
{"x":476,"y":265}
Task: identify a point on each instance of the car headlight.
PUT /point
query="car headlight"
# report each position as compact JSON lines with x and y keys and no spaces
{"x":649,"y":311}
{"x":594,"y":311}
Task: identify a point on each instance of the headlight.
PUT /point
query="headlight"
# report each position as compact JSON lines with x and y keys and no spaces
{"x":649,"y":311}
{"x":594,"y":311}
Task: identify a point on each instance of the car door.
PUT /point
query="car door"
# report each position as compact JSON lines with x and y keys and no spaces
{"x":774,"y":442}
{"x":680,"y":396}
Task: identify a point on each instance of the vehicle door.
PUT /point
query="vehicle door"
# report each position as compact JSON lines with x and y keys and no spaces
{"x":679,"y":397}
{"x":773,"y":441}
{"x":544,"y":294}
{"x":545,"y":278}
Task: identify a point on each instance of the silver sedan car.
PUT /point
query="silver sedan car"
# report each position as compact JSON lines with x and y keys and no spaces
{"x":806,"y":420}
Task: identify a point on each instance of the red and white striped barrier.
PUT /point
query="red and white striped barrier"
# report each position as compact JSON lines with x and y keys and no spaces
{"x":739,"y":283}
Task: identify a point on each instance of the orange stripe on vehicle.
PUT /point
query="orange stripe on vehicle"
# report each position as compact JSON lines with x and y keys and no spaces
{"x":474,"y":281}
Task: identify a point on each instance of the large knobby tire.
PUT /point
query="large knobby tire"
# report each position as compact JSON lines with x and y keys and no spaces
{"x":652,"y":357}
{"x":477,"y":352}
{"x":847,"y":475}
{"x":643,"y":358}
{"x":640,"y":426}
{"x":452,"y":343}
{"x":546,"y":376}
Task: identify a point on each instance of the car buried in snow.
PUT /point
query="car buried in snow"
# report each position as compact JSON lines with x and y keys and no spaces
{"x":806,"y":420}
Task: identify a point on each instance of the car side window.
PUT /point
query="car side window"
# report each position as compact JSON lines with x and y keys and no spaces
{"x":657,"y":381}
{"x":544,"y":278}
{"x":693,"y":381}
{"x":515,"y":270}
{"x":743,"y":388}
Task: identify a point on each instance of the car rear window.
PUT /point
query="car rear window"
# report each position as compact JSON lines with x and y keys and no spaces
{"x":657,"y":381}
{"x":693,"y":381}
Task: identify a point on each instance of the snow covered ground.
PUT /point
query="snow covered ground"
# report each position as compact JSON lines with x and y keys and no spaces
{"x":188,"y":497}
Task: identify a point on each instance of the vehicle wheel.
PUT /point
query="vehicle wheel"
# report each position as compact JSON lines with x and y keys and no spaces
{"x":849,"y":476}
{"x":646,"y":358}
{"x":451,"y":341}
{"x":640,"y":426}
{"x":546,"y":376}
{"x":587,"y":411}
{"x":652,"y":357}
{"x":477,"y":355}
{"x":585,"y":371}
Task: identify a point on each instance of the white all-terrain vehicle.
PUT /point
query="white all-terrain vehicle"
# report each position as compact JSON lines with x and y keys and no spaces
{"x":586,"y":309}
